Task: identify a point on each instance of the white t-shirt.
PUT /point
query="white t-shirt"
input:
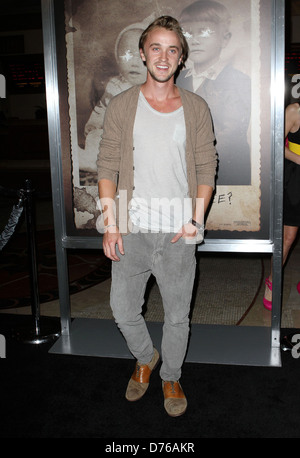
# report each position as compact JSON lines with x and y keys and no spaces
{"x":160,"y":197}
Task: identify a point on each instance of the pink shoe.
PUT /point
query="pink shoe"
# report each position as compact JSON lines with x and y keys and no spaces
{"x":266,"y":302}
{"x":298,"y":287}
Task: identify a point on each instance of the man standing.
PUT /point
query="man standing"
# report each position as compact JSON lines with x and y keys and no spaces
{"x":157,"y":149}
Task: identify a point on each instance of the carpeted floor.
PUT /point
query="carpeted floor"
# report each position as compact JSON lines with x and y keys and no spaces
{"x":47,"y":395}
{"x":86,"y":269}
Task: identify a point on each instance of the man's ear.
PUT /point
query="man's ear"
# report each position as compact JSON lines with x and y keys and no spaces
{"x":180,"y":64}
{"x":143,"y":57}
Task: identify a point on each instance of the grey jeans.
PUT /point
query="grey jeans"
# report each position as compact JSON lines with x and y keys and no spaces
{"x":173,"y":265}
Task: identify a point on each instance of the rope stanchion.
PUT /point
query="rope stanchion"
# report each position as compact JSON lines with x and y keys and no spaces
{"x":11,"y":224}
{"x":33,"y":335}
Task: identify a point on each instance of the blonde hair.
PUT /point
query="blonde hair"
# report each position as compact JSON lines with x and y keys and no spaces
{"x":168,"y":23}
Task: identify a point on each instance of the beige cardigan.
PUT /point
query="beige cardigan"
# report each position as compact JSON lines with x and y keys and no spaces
{"x":115,"y":159}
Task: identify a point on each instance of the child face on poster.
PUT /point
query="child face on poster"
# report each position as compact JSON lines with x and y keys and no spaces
{"x":206,"y":40}
{"x":128,"y":56}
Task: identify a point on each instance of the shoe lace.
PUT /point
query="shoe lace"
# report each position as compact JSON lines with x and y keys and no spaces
{"x":172,"y":388}
{"x":138,"y":368}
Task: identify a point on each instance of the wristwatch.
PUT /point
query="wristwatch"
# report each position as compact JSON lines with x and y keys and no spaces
{"x":200,"y":227}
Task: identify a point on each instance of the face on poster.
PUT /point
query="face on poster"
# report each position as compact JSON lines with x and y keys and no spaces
{"x":224,"y":67}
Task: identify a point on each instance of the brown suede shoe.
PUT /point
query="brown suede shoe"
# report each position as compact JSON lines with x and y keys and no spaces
{"x":175,"y":401}
{"x":139,"y":382}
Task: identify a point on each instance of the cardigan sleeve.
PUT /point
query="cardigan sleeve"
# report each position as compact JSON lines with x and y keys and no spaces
{"x":205,"y":151}
{"x":108,"y":160}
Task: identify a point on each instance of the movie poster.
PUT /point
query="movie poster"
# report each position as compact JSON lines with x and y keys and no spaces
{"x":228,"y":66}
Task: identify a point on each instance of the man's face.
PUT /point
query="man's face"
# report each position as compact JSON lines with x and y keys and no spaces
{"x":129,"y":59}
{"x":206,"y":41}
{"x":162,"y":54}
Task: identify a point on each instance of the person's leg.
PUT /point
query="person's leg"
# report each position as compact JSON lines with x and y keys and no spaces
{"x":129,"y":280}
{"x":289,"y":236}
{"x":174,"y":269}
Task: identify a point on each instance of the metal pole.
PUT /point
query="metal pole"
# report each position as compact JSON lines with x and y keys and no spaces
{"x":278,"y":145}
{"x":27,"y":194}
{"x":55,"y":149}
{"x":33,"y":335}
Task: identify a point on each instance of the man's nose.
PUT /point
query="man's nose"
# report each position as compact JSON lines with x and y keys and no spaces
{"x":164,"y":54}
